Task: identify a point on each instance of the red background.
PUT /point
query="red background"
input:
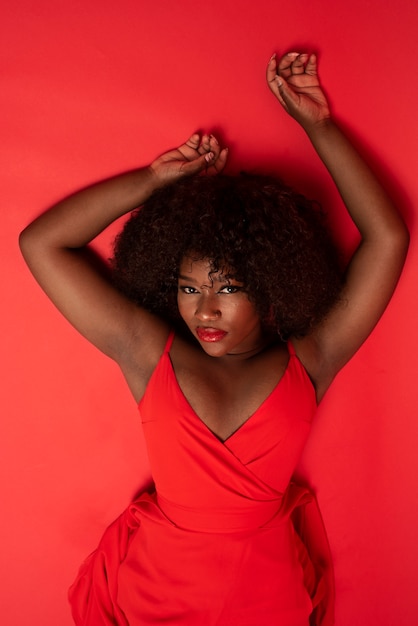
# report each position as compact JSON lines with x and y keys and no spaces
{"x":93,"y":88}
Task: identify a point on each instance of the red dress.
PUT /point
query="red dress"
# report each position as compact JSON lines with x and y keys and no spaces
{"x":225,"y":539}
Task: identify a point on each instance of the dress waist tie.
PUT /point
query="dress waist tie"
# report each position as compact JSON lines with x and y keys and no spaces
{"x":246,"y":516}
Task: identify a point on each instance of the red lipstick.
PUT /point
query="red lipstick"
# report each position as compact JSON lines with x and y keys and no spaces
{"x":210,"y":334}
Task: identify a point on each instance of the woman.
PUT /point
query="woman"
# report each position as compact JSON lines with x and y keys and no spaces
{"x":226,"y":401}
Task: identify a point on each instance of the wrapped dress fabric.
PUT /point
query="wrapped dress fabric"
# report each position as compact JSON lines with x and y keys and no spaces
{"x":226,"y":539}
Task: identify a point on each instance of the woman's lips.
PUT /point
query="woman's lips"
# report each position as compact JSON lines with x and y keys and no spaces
{"x":210,"y":334}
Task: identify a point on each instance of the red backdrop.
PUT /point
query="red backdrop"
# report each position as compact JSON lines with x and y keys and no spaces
{"x":93,"y":88}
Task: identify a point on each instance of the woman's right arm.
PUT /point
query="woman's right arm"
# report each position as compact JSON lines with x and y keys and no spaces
{"x":55,"y":247}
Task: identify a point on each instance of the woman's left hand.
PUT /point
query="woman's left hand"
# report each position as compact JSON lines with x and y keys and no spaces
{"x":294,"y":81}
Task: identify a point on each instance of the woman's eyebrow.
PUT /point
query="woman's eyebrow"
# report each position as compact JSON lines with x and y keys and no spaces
{"x":224,"y":279}
{"x":220,"y":279}
{"x":188,"y":278}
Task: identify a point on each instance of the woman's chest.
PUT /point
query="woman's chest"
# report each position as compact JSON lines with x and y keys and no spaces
{"x":225,"y":398}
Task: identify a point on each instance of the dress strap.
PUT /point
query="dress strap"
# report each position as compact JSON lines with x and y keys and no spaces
{"x":169,"y":341}
{"x":290,"y":348}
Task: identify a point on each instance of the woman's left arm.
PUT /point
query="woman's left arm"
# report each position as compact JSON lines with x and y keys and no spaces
{"x":377,"y":263}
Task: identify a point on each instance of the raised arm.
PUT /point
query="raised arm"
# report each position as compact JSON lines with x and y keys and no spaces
{"x":377,"y":263}
{"x":55,"y":249}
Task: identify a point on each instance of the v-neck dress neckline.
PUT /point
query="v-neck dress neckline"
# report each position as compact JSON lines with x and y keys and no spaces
{"x":252,"y":416}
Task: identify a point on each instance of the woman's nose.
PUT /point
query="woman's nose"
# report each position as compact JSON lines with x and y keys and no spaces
{"x":207,"y":309}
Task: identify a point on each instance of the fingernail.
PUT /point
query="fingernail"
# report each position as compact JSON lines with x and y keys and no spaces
{"x":293,"y":54}
{"x":214,"y":139}
{"x":209,"y":156}
{"x":273,"y":56}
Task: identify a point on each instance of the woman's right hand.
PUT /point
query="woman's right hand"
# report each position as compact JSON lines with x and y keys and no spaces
{"x":197,"y":154}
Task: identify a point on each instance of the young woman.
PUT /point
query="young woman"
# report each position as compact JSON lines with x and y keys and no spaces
{"x":229,"y":320}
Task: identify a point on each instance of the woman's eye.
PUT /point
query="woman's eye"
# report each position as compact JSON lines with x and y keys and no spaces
{"x":188,"y":290}
{"x":230,"y":289}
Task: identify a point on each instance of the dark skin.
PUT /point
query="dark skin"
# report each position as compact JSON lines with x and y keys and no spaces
{"x":225,"y":380}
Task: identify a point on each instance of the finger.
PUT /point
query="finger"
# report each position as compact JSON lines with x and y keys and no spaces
{"x":219,"y":163}
{"x":271,"y":75}
{"x":193,"y":141}
{"x":271,"y":71}
{"x":274,"y":81}
{"x":285,"y":64}
{"x":311,"y":65}
{"x":203,"y":162}
{"x":286,"y":95}
{"x":214,"y":146}
{"x":204,"y":146}
{"x":189,"y":148}
{"x":298,"y":64}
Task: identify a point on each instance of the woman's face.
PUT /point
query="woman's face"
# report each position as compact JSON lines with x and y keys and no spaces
{"x":217,"y":310}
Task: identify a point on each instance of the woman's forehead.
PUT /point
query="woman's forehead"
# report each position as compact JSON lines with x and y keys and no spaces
{"x":191,"y":265}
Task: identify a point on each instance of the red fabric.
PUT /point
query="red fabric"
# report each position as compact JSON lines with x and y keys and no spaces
{"x":225,"y":538}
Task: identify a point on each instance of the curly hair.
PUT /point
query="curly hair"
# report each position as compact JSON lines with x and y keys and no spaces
{"x":263,"y":233}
